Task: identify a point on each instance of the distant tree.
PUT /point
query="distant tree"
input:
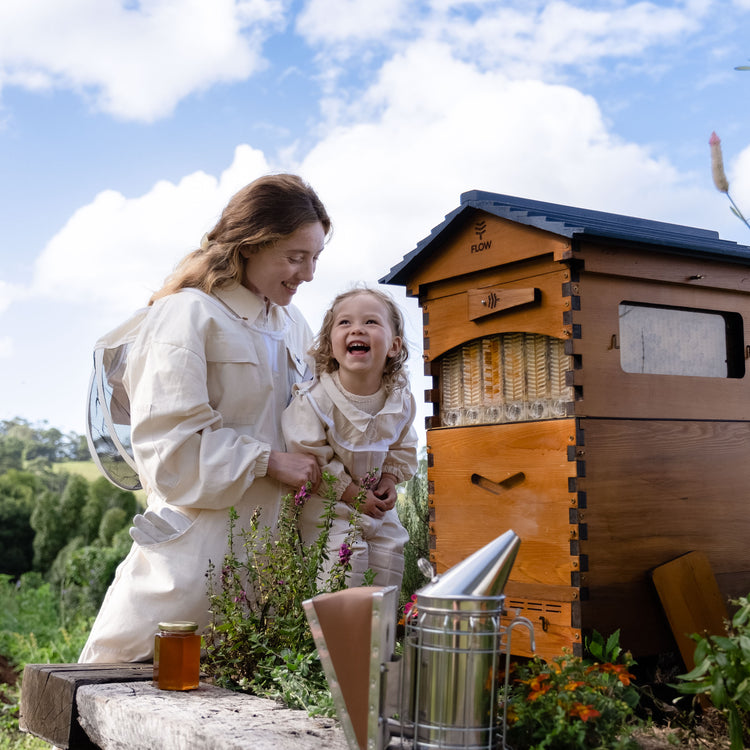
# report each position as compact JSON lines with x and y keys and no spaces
{"x":11,"y":453}
{"x":57,"y":570}
{"x":72,"y":502}
{"x":112,"y":521}
{"x":103,"y":496}
{"x":50,"y":535}
{"x":92,"y":568}
{"x":414,"y":512}
{"x":17,"y":493}
{"x":47,"y":444}
{"x":42,"y":445}
{"x":79,"y":447}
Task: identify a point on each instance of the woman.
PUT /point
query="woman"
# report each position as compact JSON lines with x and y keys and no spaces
{"x":208,"y":378}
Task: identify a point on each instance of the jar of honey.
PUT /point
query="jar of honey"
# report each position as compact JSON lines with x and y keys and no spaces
{"x":177,"y":654}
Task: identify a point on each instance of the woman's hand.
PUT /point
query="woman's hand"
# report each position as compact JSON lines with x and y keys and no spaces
{"x":294,"y":469}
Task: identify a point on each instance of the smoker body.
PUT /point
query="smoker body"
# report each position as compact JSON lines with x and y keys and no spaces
{"x":590,"y":392}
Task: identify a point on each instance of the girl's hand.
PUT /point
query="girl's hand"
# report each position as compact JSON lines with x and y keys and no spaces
{"x":370,"y":505}
{"x":386,"y":490}
{"x":294,"y":469}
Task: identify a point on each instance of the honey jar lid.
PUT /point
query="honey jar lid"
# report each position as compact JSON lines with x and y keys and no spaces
{"x":178,"y":627}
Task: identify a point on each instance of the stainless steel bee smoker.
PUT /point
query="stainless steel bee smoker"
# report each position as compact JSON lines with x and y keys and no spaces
{"x":443,"y":691}
{"x":451,"y":676}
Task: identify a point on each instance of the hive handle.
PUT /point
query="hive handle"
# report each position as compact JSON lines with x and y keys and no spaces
{"x":497,"y":488}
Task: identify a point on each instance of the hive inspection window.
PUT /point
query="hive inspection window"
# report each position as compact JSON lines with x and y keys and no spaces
{"x":662,"y":340}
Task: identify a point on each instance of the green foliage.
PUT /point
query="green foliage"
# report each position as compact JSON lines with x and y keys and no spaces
{"x":11,"y":453}
{"x":572,"y":702}
{"x":50,"y":536}
{"x":601,"y":650}
{"x":112,"y":521}
{"x":17,"y":492}
{"x":40,"y":444}
{"x":259,"y":641}
{"x":414,"y":513}
{"x":104,"y":497}
{"x":722,"y":673}
{"x":49,"y":522}
{"x":89,"y":570}
{"x":33,"y":631}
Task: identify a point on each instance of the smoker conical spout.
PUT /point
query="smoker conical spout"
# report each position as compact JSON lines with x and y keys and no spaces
{"x":482,"y":574}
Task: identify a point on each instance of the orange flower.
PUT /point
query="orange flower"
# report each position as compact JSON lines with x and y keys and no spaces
{"x":573,"y":684}
{"x":620,"y":670}
{"x":538,"y":686}
{"x":583,"y":711}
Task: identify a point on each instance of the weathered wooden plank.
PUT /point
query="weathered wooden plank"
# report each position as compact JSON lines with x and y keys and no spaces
{"x":138,"y":716}
{"x":691,"y":600}
{"x":48,"y":697}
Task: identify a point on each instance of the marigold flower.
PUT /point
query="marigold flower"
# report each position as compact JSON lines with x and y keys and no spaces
{"x":621,"y":671}
{"x":573,"y":684}
{"x":583,"y":711}
{"x":538,"y":686}
{"x":717,"y":164}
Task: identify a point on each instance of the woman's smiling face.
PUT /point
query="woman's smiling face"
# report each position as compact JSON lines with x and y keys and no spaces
{"x":275,"y":272}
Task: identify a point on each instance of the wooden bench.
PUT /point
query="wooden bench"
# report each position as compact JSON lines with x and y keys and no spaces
{"x":114,"y":706}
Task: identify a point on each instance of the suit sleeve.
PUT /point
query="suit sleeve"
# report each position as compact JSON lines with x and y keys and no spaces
{"x":305,"y":433}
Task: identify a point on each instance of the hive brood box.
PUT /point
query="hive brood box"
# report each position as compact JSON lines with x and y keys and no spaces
{"x":590,"y":394}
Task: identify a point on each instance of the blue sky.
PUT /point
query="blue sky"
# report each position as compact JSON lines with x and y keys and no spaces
{"x":125,"y":126}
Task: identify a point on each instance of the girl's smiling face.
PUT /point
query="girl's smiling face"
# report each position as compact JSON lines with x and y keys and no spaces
{"x":275,"y":272}
{"x":362,"y":339}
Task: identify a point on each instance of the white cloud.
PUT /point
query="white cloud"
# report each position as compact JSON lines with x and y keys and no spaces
{"x":524,"y":38}
{"x":6,"y":347}
{"x":333,"y":21}
{"x":135,"y":64}
{"x":9,"y":293}
{"x":563,"y":34}
{"x":401,"y":150}
{"x":116,"y":251}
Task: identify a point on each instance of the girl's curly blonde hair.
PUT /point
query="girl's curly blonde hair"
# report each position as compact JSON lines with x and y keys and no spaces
{"x":394,"y":372}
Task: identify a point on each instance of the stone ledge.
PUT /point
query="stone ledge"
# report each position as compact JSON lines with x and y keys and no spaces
{"x":138,"y":716}
{"x":117,"y":707}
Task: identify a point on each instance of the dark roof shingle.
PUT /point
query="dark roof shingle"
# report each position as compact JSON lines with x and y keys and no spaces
{"x":568,"y":221}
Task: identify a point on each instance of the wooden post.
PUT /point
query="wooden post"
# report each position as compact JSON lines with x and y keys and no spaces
{"x":48,"y":698}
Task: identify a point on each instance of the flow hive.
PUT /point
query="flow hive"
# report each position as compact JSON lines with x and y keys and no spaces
{"x":590,"y":394}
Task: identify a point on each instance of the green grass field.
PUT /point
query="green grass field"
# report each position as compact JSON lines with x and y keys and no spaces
{"x":89,"y":471}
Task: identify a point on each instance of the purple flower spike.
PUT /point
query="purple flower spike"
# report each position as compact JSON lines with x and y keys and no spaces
{"x":370,"y":480}
{"x":345,"y":554}
{"x":302,"y":496}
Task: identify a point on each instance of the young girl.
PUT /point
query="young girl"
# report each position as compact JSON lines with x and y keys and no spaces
{"x":356,"y":416}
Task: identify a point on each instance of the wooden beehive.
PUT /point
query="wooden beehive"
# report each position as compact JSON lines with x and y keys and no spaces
{"x":590,"y":394}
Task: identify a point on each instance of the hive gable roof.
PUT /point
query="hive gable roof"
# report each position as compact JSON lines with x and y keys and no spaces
{"x":572,"y":222}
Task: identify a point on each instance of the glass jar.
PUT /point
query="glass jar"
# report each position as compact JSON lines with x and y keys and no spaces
{"x":177,"y":654}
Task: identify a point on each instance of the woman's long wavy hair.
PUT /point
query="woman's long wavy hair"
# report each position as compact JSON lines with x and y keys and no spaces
{"x":262,"y":213}
{"x":394,"y":372}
